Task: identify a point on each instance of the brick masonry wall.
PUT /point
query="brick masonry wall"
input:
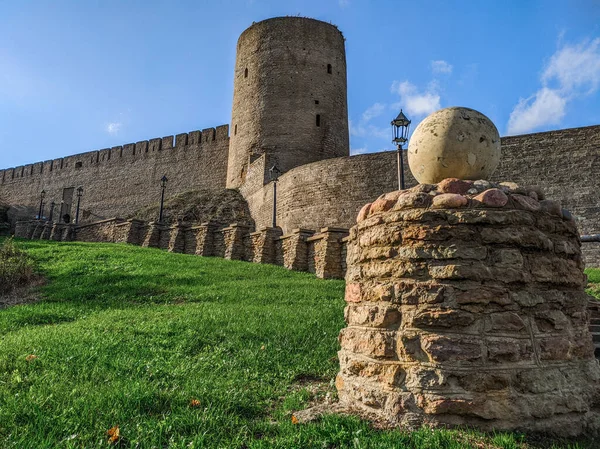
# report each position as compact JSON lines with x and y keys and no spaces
{"x":591,"y":254}
{"x":468,"y":309}
{"x":564,"y":163}
{"x":288,"y":70}
{"x":101,"y":231}
{"x":327,"y":193}
{"x":120,"y":180}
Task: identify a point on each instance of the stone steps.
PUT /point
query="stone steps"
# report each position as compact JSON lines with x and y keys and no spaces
{"x":594,"y":308}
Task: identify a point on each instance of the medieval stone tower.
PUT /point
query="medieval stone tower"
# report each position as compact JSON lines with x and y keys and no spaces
{"x":290,"y":98}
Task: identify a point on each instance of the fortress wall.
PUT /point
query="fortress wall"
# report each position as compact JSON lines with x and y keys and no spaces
{"x":564,"y":163}
{"x":120,"y":180}
{"x":327,"y":193}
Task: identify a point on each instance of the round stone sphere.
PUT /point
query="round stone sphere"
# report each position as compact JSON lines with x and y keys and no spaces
{"x":454,"y":143}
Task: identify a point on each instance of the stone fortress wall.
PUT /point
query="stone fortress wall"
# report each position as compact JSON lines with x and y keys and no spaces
{"x":289,"y":61}
{"x":122,"y":179}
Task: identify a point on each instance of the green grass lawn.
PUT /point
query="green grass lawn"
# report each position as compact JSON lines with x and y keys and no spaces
{"x":129,"y":337}
{"x":594,"y":282}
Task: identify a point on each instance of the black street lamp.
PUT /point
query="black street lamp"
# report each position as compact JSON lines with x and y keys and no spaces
{"x":52,"y":204}
{"x":274,"y":173}
{"x":163,"y":185}
{"x":42,"y":195}
{"x":400,"y":127}
{"x":79,"y":193}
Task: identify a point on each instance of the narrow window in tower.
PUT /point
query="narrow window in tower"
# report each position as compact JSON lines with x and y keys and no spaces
{"x":246,"y":73}
{"x":78,"y":164}
{"x":328,"y":68}
{"x":235,"y":130}
{"x":318,"y":119}
{"x":316,"y":101}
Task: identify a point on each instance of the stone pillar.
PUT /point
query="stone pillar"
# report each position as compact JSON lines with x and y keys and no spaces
{"x":31,"y":225}
{"x":190,"y":244}
{"x":205,"y":239}
{"x":218,"y":238}
{"x":57,"y":232}
{"x":233,"y":238}
{"x":177,"y":238}
{"x":129,"y":231}
{"x":4,"y":228}
{"x":344,"y":252}
{"x":325,"y":250}
{"x":262,"y":245}
{"x":294,"y":250}
{"x":47,"y":230}
{"x":37,"y":231}
{"x":152,"y":235}
{"x":69,"y":233}
{"x":21,"y":229}
{"x":165,"y":236}
{"x":469,"y":309}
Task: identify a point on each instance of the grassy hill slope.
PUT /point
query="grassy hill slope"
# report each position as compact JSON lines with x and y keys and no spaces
{"x":182,"y":352}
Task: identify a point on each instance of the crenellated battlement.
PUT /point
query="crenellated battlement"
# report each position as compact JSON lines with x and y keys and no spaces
{"x":119,"y":154}
{"x":121,"y":179}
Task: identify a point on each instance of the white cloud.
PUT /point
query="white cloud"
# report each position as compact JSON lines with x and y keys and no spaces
{"x":572,"y":71}
{"x":355,"y":151}
{"x":365,"y":129}
{"x":575,"y":67}
{"x":113,"y":128}
{"x":441,"y":66}
{"x":373,"y":111}
{"x":362,"y":129}
{"x":545,"y":107}
{"x":416,"y":102}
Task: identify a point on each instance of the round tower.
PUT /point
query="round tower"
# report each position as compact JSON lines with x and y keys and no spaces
{"x":289,"y":98}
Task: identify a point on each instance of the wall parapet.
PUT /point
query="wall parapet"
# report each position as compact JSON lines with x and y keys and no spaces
{"x":126,"y":151}
{"x":235,"y":242}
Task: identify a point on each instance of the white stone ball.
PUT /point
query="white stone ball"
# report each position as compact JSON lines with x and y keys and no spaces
{"x":454,"y":143}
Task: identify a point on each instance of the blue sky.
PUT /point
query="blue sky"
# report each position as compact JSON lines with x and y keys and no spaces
{"x":78,"y":76}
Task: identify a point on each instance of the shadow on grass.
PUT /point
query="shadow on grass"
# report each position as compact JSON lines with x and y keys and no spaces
{"x":85,"y":278}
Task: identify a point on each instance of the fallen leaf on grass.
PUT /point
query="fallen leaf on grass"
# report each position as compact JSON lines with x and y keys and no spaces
{"x":114,"y":434}
{"x":294,"y":420}
{"x":194,"y":403}
{"x":31,"y":357}
{"x":262,"y":347}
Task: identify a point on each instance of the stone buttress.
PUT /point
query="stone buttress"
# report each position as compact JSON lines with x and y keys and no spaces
{"x":466,"y":306}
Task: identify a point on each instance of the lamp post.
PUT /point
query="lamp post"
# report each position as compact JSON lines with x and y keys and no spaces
{"x":400,"y":127}
{"x":163,"y":185}
{"x":52,"y":204}
{"x":42,"y":195}
{"x":274,"y":173}
{"x":79,"y":193}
